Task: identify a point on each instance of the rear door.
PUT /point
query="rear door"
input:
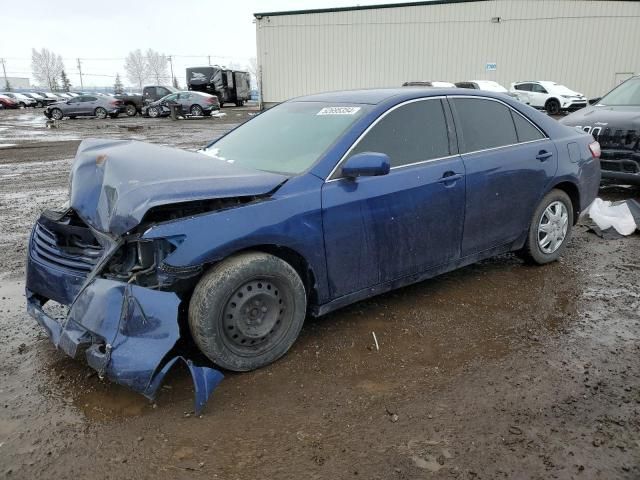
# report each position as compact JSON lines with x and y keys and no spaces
{"x":87,"y":105}
{"x":378,"y":229}
{"x":509,"y":162}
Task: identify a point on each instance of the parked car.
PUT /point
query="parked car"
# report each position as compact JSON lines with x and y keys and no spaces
{"x":40,"y":100}
{"x":83,"y":106}
{"x":7,"y":102}
{"x":614,"y":121}
{"x":486,"y":85}
{"x":22,"y":100}
{"x":230,"y":86}
{"x":428,"y":84}
{"x":314,"y":204}
{"x":131,"y":103}
{"x":550,"y":96}
{"x":190,"y":103}
{"x":63,"y":95}
{"x":48,"y":98}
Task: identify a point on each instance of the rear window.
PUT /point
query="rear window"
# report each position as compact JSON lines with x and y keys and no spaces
{"x":524,"y":129}
{"x":484,"y":124}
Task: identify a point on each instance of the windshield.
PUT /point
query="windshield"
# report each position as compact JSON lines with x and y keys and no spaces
{"x":288,"y":138}
{"x":625,"y":94}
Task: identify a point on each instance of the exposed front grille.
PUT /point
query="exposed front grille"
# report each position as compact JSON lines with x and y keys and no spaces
{"x":71,"y":252}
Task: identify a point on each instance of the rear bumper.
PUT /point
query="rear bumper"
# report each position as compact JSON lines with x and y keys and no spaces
{"x":128,"y":333}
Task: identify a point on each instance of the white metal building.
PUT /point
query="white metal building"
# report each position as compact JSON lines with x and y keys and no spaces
{"x":588,"y":45}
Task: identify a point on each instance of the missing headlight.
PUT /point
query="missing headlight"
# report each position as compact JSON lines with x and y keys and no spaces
{"x":136,"y":261}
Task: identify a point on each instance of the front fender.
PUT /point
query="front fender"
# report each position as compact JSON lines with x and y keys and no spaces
{"x":291,"y":218}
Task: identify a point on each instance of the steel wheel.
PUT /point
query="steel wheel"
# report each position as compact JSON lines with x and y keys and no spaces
{"x":253,"y":316}
{"x":56,"y":114}
{"x":196,"y":110}
{"x":101,"y":113}
{"x":553,"y":226}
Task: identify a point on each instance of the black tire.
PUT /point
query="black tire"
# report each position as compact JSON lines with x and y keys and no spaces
{"x":131,"y":110}
{"x":153,"y":112}
{"x":114,"y":115}
{"x":270,"y":301}
{"x":100,"y":113}
{"x":239,"y":103}
{"x":552,"y":106}
{"x":56,"y":114}
{"x":196,"y":110}
{"x":22,"y":105}
{"x":532,"y":251}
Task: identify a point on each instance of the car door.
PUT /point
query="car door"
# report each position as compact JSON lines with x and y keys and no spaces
{"x":538,"y":95}
{"x":508,"y":162}
{"x":378,"y":229}
{"x":73,"y":106}
{"x":88,"y":105}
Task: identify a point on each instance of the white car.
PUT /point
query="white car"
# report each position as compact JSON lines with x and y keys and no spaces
{"x":550,"y":96}
{"x":425,"y":83}
{"x":486,"y":85}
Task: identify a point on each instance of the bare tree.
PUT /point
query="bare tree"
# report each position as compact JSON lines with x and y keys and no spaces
{"x":46,"y":67}
{"x":157,"y":63}
{"x":136,"y":67}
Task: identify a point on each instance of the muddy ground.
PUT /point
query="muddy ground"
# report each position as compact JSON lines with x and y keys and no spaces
{"x":498,"y":370}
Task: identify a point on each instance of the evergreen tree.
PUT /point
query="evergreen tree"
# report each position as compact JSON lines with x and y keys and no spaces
{"x":118,"y":87}
{"x":7,"y":85}
{"x":66,"y":84}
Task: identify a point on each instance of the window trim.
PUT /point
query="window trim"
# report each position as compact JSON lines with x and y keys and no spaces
{"x":331,"y":178}
{"x":455,"y":113}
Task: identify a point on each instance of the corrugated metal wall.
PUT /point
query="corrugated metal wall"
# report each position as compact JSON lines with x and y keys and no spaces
{"x":587,"y":45}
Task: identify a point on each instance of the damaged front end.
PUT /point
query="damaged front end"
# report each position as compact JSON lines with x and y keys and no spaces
{"x":124,"y":306}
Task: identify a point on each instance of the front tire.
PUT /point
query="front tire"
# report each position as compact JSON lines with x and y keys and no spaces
{"x":550,"y":229}
{"x":153,"y":112}
{"x":57,"y":114}
{"x":101,"y":113}
{"x":247,"y":311}
{"x":552,"y":107}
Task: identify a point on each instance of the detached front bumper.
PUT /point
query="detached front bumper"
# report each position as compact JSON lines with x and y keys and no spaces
{"x":128,"y":333}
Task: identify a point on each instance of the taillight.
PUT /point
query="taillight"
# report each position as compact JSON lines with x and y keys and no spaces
{"x":212,"y":100}
{"x":595,"y":149}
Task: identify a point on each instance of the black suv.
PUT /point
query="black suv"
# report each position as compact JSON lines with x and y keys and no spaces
{"x":614,"y":121}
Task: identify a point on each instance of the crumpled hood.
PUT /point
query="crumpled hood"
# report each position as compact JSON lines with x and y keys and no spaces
{"x":115,"y":182}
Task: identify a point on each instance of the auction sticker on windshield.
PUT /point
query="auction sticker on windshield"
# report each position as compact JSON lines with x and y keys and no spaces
{"x":339,"y":111}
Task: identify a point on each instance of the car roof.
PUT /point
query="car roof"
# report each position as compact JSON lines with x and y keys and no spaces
{"x":376,"y":96}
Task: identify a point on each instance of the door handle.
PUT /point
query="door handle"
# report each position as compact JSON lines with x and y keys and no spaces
{"x":450,"y":177}
{"x":543,"y":155}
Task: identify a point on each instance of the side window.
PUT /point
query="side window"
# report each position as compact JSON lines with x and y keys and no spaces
{"x":484,"y":124}
{"x":411,"y":133}
{"x":171,"y":98}
{"x":525,"y":131}
{"x":89,"y":99}
{"x":525,"y":87}
{"x":538,"y":88}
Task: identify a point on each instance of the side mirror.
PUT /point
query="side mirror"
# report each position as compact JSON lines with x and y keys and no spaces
{"x":593,"y":101}
{"x":366,"y":164}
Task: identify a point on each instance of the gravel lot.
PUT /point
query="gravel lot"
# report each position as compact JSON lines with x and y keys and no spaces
{"x":498,"y":370}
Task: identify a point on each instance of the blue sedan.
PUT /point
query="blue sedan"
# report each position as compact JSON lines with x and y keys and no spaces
{"x":317,"y":203}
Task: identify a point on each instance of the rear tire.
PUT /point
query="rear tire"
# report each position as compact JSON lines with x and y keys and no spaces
{"x":196,"y":110}
{"x":552,"y":106}
{"x":100,"y":113}
{"x":131,"y":110}
{"x":247,"y":311}
{"x":549,"y":230}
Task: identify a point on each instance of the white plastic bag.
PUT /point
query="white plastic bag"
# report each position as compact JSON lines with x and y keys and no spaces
{"x":607,"y":214}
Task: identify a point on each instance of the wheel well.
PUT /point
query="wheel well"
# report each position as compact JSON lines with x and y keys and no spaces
{"x":298,"y":262}
{"x":551,"y":99}
{"x":574,"y":194}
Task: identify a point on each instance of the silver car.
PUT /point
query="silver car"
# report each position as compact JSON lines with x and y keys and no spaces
{"x":84,"y":106}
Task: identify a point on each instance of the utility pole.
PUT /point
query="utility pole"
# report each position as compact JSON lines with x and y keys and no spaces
{"x":171,"y":64}
{"x":80,"y":70}
{"x":4,"y":70}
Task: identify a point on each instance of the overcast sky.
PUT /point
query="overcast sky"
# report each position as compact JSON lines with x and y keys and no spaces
{"x":102,"y":33}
